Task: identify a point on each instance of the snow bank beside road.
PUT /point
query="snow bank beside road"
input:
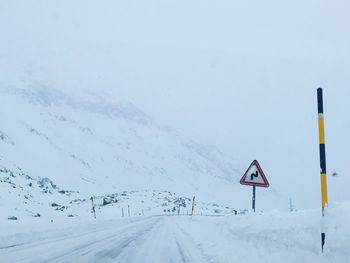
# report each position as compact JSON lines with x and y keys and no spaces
{"x":273,"y":237}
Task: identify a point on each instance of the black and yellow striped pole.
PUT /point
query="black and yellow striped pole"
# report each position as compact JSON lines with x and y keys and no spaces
{"x":324,"y":193}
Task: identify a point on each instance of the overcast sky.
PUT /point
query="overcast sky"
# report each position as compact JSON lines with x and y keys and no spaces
{"x":242,"y":76}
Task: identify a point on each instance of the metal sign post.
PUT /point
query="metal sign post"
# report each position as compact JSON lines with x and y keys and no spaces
{"x":254,"y":190}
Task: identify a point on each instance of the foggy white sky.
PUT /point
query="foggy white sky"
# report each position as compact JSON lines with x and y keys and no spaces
{"x":242,"y":76}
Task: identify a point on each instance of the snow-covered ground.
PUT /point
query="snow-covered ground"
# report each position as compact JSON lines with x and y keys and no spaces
{"x":262,"y":237}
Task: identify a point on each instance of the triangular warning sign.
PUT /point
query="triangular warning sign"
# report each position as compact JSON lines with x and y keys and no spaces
{"x":255,"y":176}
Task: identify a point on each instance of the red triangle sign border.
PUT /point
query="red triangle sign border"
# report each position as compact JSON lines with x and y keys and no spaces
{"x":258,"y":167}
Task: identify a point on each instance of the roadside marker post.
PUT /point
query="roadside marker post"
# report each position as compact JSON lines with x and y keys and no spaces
{"x":93,"y":207}
{"x":323,"y":166}
{"x":254,"y":176}
{"x":193,"y":204}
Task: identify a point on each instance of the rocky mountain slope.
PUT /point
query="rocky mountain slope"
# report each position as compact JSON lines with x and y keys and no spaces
{"x":58,"y":150}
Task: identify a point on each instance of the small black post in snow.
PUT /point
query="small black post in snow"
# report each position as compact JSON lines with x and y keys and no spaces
{"x":93,"y":207}
{"x":193,"y":204}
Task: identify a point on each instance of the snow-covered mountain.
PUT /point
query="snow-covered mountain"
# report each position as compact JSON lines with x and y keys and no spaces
{"x":56,"y":148}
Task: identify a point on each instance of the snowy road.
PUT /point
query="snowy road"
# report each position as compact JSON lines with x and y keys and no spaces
{"x":265,"y":238}
{"x":155,"y":239}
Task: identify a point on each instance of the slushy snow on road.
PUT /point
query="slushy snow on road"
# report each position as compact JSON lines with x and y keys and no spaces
{"x":272,"y":237}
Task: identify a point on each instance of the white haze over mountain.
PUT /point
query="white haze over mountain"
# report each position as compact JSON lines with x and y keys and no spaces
{"x":242,"y":76}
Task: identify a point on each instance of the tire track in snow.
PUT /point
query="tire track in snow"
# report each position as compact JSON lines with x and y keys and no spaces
{"x":183,"y":258}
{"x":109,"y":247}
{"x":155,"y":239}
{"x":53,"y":236}
{"x":116,"y":251}
{"x":77,"y":248}
{"x":164,"y":244}
{"x":189,"y":249}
